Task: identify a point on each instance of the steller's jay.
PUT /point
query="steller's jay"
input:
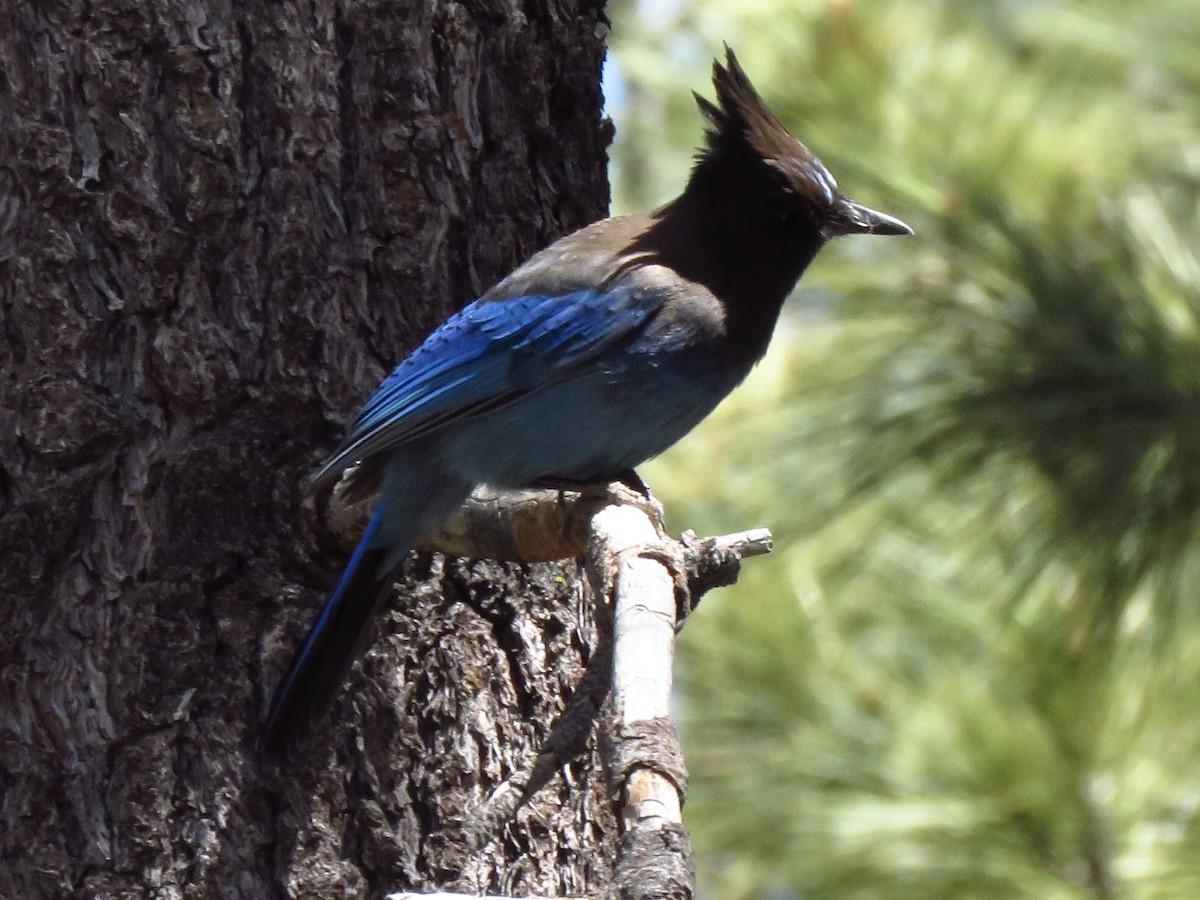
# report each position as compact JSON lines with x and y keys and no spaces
{"x":598,"y":353}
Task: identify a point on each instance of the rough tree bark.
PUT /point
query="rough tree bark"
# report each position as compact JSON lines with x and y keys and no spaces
{"x":220,"y":224}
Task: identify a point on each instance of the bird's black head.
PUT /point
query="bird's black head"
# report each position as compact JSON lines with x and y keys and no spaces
{"x":762,"y":168}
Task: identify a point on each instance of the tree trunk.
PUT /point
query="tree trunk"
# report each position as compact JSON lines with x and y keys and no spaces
{"x":220,"y":225}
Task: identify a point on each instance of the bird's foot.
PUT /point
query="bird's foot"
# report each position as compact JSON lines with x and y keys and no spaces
{"x":621,"y":492}
{"x":632,"y":480}
{"x":626,"y":488}
{"x":629,"y":478}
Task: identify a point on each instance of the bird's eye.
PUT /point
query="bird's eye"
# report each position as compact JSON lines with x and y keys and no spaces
{"x":788,"y":216}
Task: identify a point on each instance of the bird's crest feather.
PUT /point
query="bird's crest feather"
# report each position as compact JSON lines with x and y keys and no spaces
{"x":741,"y":121}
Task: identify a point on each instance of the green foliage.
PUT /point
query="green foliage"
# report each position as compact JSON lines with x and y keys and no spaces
{"x":969,"y":670}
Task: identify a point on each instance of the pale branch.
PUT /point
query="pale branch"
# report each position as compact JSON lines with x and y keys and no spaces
{"x":651,"y":582}
{"x":532,"y":525}
{"x":539,"y":525}
{"x":714,"y":562}
{"x":535,"y":525}
{"x":631,"y":560}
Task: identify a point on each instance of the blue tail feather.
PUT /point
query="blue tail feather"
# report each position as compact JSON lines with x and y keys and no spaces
{"x":413,"y":498}
{"x":334,"y":641}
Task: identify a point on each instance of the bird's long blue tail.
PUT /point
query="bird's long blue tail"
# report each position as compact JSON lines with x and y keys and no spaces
{"x":335,"y":640}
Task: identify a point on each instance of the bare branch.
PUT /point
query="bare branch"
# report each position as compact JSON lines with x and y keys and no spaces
{"x":651,"y":582}
{"x":655,"y":859}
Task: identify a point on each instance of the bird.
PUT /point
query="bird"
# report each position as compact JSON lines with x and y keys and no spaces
{"x":596,"y":354}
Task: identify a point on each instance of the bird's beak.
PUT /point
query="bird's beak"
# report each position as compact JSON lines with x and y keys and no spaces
{"x":854,"y":218}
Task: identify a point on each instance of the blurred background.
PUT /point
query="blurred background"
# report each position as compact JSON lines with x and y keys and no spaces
{"x":972,"y":666}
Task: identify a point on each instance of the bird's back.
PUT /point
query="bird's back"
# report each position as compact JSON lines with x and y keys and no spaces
{"x":588,"y":258}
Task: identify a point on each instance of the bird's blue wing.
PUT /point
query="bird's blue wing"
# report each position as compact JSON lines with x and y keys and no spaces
{"x":487,"y":355}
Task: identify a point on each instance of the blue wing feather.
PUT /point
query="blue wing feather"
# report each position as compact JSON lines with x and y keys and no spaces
{"x":488,"y":353}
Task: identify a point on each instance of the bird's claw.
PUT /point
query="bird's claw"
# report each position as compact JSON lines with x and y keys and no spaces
{"x":621,"y":493}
